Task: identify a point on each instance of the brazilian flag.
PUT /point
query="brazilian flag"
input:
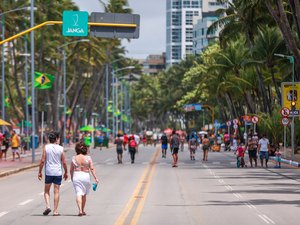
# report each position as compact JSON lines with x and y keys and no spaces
{"x":29,"y":102}
{"x":69,"y":111}
{"x":43,"y":80}
{"x":117,"y":112}
{"x":110,"y":108}
{"x":6,"y":102}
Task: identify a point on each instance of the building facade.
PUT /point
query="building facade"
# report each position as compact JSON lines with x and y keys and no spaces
{"x":201,"y":24}
{"x":154,"y":64}
{"x":179,"y":37}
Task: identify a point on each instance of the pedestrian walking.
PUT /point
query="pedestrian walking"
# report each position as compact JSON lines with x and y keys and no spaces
{"x":263,"y":149}
{"x":125,"y":141}
{"x":174,"y":145}
{"x":193,"y":144}
{"x":206,"y":145}
{"x":119,"y":147}
{"x":164,"y":145}
{"x":15,"y":144}
{"x":53,"y":158}
{"x":251,"y":146}
{"x":132,"y":145}
{"x":80,"y":169}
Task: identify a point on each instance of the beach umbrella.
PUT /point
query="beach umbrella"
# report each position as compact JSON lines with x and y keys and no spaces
{"x":4,"y":123}
{"x":168,"y":131}
{"x":25,"y":124}
{"x":87,"y":128}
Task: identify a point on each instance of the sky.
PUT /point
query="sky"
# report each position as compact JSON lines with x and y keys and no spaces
{"x":152,"y":38}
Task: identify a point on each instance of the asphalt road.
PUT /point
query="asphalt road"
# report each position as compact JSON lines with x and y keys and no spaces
{"x":152,"y":192}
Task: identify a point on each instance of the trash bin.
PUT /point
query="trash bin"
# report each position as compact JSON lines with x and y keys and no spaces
{"x":36,"y":141}
{"x":96,"y":142}
{"x":105,"y":142}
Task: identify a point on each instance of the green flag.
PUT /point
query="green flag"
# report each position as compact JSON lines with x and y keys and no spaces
{"x":43,"y":80}
{"x":117,"y":112}
{"x":109,"y":108}
{"x":69,"y":111}
{"x":125,"y":118}
{"x":29,"y":102}
{"x":6,"y":102}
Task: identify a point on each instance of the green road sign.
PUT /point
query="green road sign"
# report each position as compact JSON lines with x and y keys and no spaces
{"x":75,"y":23}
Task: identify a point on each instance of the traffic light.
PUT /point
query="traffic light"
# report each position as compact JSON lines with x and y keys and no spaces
{"x":293,"y":105}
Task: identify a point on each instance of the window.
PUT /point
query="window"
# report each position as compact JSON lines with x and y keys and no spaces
{"x":186,"y":4}
{"x":176,"y":52}
{"x":189,"y":18}
{"x":176,"y":18}
{"x":189,"y":34}
{"x":195,"y":4}
{"x":188,"y":49}
{"x":176,"y":5}
{"x":176,"y":35}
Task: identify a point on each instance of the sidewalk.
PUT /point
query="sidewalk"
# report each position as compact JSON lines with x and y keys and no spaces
{"x":9,"y":167}
{"x":287,"y":158}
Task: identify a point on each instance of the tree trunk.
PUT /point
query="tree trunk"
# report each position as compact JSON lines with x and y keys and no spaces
{"x":280,"y":17}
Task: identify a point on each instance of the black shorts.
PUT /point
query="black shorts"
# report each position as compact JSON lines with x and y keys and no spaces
{"x":119,"y":151}
{"x":252,"y":153}
{"x":175,"y":150}
{"x":53,"y":179}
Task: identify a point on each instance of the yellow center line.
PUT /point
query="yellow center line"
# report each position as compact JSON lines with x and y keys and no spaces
{"x":145,"y":182}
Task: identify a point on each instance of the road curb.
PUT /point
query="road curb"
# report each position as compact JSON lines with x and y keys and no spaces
{"x":10,"y":172}
{"x":288,"y":161}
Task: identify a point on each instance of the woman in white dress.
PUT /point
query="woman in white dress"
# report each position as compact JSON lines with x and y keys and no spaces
{"x":80,"y":169}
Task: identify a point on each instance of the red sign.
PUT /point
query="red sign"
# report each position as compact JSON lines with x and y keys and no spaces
{"x":285,"y":121}
{"x":247,"y":118}
{"x":254,"y":119}
{"x":285,"y":112}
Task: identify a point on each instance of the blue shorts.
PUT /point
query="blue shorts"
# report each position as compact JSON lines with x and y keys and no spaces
{"x":264,"y":154}
{"x":164,"y":146}
{"x":53,"y":179}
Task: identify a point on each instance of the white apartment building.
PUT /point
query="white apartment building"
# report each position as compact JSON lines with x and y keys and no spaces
{"x":179,"y":38}
{"x":187,"y":23}
{"x":201,"y":24}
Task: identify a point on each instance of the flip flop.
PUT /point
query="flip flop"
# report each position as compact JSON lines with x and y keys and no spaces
{"x":56,"y":214}
{"x":46,"y":212}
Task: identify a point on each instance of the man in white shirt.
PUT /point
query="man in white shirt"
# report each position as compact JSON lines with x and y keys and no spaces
{"x":263,"y":149}
{"x":54,"y":159}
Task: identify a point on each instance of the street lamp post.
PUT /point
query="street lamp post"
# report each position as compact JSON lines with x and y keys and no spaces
{"x":113,"y":73}
{"x":3,"y":57}
{"x":64,"y":84}
{"x":292,"y":61}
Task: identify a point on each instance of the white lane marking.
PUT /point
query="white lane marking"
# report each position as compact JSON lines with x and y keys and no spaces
{"x":267,"y":218}
{"x":264,"y":219}
{"x":240,"y":196}
{"x":236,"y":195}
{"x":26,"y":202}
{"x":228,"y":187}
{"x":216,"y":163}
{"x":216,"y":176}
{"x":221,"y":181}
{"x":3,"y":213}
{"x":108,"y":160}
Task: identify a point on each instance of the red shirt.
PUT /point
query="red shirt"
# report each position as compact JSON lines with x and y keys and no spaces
{"x":240,"y":151}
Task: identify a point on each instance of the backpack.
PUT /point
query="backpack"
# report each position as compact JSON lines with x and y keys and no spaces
{"x":132,"y":143}
{"x":119,"y":145}
{"x":193,"y":143}
{"x":175,"y":141}
{"x":164,"y":140}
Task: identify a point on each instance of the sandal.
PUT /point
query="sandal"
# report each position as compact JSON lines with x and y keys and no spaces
{"x":56,"y":214}
{"x":83,"y":213}
{"x":47,"y":211}
{"x":80,"y":214}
